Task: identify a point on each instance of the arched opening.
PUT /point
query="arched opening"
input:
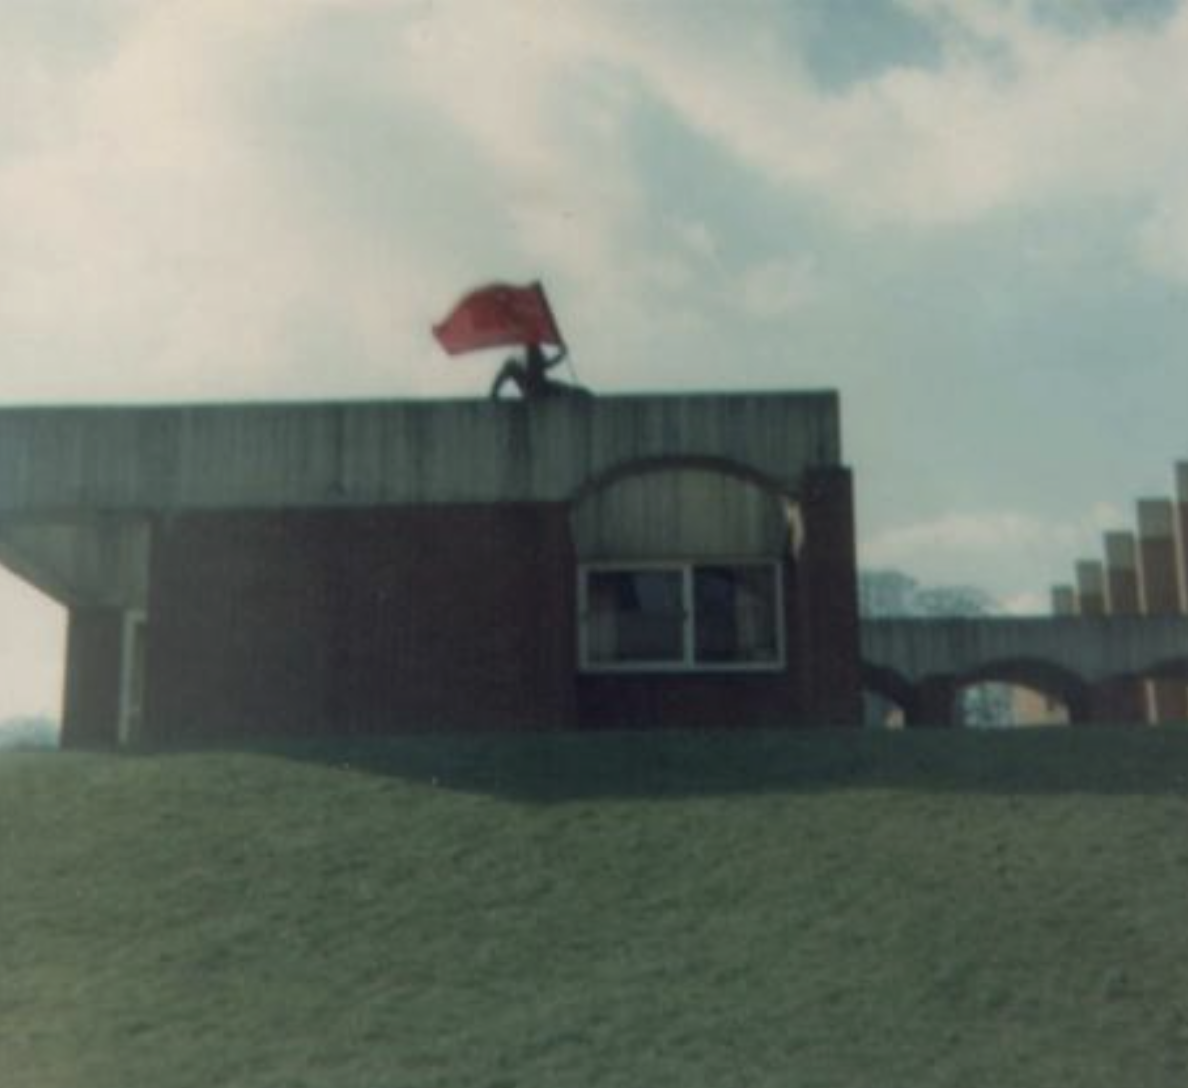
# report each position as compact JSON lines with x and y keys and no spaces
{"x":993,"y":704}
{"x":32,"y":665}
{"x":1005,"y":694}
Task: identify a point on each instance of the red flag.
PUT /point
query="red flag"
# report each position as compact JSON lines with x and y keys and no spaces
{"x":497,"y":315}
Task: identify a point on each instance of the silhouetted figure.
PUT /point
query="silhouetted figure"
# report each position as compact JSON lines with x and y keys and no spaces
{"x":530,"y":375}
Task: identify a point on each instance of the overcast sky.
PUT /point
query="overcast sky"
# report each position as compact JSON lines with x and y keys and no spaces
{"x":970,"y":216}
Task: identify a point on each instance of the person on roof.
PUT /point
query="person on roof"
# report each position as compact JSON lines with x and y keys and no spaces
{"x":530,"y":374}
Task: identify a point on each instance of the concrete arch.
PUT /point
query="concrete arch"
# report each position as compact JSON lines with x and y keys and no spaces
{"x":641,"y":466}
{"x":663,"y":508}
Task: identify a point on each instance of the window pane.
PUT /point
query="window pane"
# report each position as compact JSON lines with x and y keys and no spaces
{"x":634,"y":616}
{"x":736,"y":617}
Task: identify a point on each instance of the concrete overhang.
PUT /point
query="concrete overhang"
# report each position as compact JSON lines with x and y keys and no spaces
{"x":81,"y":486}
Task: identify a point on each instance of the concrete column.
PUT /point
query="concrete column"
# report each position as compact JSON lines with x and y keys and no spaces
{"x":1091,"y":600}
{"x":1122,"y":700}
{"x":91,"y":706}
{"x":1160,"y":595}
{"x":1064,"y":601}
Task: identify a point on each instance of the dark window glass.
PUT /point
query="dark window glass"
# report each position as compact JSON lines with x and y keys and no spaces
{"x":735,"y":614}
{"x":634,"y":616}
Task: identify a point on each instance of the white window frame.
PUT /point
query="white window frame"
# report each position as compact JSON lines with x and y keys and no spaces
{"x":688,"y":662}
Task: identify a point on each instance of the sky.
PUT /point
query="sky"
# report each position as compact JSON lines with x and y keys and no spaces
{"x":968,"y":216}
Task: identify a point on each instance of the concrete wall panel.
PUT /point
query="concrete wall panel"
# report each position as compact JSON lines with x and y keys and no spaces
{"x":317,"y":455}
{"x":680,"y":513}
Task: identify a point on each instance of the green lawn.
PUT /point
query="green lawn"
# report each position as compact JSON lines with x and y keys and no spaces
{"x":1006,"y":910}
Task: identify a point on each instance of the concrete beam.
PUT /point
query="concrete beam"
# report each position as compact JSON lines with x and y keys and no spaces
{"x":1089,"y":650}
{"x":65,"y":462}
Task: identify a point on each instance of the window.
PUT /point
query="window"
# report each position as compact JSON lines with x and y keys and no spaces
{"x":680,"y":616}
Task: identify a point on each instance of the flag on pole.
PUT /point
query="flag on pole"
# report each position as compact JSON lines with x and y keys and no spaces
{"x":499,"y":315}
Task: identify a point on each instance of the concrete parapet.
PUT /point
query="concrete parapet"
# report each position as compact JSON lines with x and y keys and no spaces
{"x":1011,"y":649}
{"x":309,"y":456}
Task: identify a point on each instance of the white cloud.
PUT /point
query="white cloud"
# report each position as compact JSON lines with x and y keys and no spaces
{"x":988,"y":548}
{"x":152,"y":246}
{"x":977,"y":533}
{"x":1018,"y":114}
{"x":776,"y":288}
{"x":1027,"y":603}
{"x":155,"y":241}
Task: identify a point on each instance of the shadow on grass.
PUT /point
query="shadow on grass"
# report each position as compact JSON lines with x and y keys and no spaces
{"x":553,"y":767}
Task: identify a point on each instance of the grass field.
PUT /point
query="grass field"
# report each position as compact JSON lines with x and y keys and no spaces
{"x":1006,"y":910}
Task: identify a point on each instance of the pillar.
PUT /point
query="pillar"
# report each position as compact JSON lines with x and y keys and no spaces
{"x":831,"y":675}
{"x":1160,"y":595}
{"x":105,"y":669}
{"x":1123,"y":699}
{"x":91,"y":704}
{"x":935,"y":704}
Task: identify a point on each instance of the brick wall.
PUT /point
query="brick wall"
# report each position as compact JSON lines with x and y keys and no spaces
{"x":360,"y":622}
{"x":440,"y":617}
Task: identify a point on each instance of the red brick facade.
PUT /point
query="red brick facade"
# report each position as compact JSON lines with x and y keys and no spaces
{"x":451,"y":617}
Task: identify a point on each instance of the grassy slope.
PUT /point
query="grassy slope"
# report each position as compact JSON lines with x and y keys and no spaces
{"x":621,"y":910}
